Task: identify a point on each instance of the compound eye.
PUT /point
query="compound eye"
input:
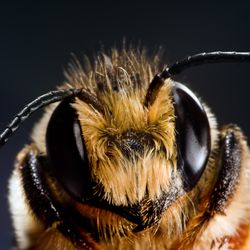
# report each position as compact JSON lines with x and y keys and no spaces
{"x":66,"y":150}
{"x":193,"y":135}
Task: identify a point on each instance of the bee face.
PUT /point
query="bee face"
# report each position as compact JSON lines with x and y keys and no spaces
{"x":121,"y":160}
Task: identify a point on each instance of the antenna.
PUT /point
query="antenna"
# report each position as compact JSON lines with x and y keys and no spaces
{"x":191,"y":61}
{"x":38,"y":103}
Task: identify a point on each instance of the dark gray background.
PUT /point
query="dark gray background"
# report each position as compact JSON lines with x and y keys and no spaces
{"x":36,"y":41}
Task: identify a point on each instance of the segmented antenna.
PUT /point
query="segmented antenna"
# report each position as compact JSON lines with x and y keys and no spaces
{"x":40,"y":102}
{"x":188,"y":62}
{"x":154,"y":87}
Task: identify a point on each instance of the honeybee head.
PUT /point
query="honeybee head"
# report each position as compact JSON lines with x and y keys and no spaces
{"x":124,"y":141}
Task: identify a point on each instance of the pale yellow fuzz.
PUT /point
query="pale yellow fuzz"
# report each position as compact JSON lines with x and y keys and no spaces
{"x":130,"y":178}
{"x":126,"y":180}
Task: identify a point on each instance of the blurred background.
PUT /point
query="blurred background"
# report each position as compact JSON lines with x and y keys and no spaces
{"x":37,"y":39}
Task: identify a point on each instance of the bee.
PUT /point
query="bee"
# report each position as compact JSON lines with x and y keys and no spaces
{"x":125,"y":157}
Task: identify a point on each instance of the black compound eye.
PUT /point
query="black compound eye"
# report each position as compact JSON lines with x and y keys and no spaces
{"x":193,"y":135}
{"x":66,"y":150}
